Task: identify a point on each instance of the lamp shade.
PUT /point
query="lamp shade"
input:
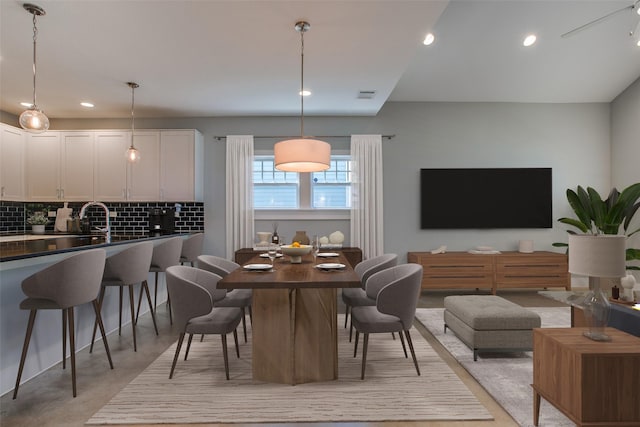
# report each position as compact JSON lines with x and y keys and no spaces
{"x":302,"y":155}
{"x":597,"y":256}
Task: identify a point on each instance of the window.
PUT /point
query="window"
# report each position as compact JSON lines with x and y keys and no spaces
{"x":332,"y":188}
{"x":274,"y":189}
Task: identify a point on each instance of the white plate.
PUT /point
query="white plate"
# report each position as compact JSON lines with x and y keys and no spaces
{"x":484,"y":248}
{"x":327,"y":254}
{"x":330,"y":266}
{"x":267,"y":255}
{"x":257,"y":267}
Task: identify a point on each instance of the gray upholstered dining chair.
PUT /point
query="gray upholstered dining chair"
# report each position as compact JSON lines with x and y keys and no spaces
{"x":236,"y":298}
{"x":193,"y":292}
{"x":355,"y":297}
{"x":62,"y":286}
{"x":127,"y":268}
{"x":164,"y":256}
{"x":396,"y":291}
{"x":191,"y":248}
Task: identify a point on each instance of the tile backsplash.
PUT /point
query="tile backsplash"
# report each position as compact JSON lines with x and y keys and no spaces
{"x":131,"y":217}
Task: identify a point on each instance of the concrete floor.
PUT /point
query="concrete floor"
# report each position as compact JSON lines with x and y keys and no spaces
{"x":47,"y":400}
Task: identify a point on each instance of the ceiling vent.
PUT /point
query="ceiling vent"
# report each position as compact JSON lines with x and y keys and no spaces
{"x":366,"y":94}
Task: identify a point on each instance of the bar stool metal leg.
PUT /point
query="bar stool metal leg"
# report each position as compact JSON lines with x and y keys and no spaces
{"x":25,"y":347}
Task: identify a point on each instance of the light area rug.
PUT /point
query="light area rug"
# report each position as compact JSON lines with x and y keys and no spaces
{"x":199,"y":392}
{"x":506,"y":376}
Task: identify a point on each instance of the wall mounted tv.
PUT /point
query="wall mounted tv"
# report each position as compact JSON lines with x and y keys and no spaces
{"x":485,"y":198}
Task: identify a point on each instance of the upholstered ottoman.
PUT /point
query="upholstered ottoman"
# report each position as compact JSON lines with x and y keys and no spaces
{"x":490,"y":323}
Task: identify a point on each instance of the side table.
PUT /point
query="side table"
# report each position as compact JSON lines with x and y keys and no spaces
{"x":593,"y":383}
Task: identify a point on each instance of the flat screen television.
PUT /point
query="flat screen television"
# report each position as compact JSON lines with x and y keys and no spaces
{"x":485,"y":198}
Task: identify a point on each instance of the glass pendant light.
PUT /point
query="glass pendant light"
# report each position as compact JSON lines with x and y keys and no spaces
{"x":302,"y":154}
{"x":33,"y":119}
{"x":133,"y":154}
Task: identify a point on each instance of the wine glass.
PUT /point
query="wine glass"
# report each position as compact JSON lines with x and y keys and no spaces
{"x":273,"y":253}
{"x":315,"y":248}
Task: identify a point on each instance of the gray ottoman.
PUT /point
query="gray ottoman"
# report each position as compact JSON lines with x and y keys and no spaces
{"x":490,"y":323}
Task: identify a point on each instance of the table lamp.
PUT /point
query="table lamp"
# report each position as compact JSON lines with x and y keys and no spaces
{"x":597,"y":256}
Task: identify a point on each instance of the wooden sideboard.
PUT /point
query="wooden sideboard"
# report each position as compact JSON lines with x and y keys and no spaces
{"x":593,"y":383}
{"x":353,"y":255}
{"x":464,"y":270}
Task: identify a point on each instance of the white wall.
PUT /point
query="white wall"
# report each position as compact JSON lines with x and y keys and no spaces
{"x":573,"y":139}
{"x":625,"y":148}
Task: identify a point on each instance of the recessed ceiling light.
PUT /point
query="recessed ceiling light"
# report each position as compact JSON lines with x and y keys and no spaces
{"x":429,"y":39}
{"x":87,"y":104}
{"x":26,"y":104}
{"x":529,"y":40}
{"x":305,"y":92}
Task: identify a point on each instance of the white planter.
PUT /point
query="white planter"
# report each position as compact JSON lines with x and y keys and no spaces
{"x":37,"y":229}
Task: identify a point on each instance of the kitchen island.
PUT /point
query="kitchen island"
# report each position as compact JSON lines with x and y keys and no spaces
{"x":21,"y":258}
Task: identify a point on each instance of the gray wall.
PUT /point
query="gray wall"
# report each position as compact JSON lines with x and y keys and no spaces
{"x":573,"y":139}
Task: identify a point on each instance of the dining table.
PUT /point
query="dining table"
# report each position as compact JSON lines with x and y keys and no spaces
{"x":294,"y":315}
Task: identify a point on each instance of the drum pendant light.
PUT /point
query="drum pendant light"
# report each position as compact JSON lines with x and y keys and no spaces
{"x":133,"y":154}
{"x":33,"y":119}
{"x":302,"y":154}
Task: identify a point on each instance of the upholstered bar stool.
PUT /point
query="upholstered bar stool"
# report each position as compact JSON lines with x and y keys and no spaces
{"x":164,"y":256}
{"x":240,"y":298}
{"x":127,"y":268}
{"x":62,"y":286}
{"x":356,"y":297}
{"x":191,"y":248}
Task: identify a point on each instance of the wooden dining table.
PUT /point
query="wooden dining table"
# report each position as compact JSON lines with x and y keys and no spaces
{"x":295,"y":337}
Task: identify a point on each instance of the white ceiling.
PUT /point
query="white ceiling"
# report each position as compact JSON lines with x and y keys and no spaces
{"x":236,"y":58}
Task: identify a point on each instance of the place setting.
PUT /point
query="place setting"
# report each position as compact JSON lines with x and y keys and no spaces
{"x":330,"y":266}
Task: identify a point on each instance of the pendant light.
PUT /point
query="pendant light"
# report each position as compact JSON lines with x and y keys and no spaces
{"x":302,"y":154}
{"x":133,"y":154}
{"x":33,"y":119}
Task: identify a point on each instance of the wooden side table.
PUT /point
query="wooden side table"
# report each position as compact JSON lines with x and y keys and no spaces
{"x":593,"y":383}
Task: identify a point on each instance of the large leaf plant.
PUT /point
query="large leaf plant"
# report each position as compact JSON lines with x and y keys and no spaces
{"x":610,"y":216}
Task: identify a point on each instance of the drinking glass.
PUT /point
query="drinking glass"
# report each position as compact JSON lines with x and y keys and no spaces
{"x":273,"y":253}
{"x":315,"y":248}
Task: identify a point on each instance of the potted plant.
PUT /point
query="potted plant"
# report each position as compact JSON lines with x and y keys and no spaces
{"x":610,"y":216}
{"x":37,"y":220}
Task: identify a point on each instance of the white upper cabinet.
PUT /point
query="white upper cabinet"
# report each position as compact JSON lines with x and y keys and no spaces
{"x":144,"y":177}
{"x":43,"y":166}
{"x":180,"y":173}
{"x":76,"y":165}
{"x":12,"y":149}
{"x":60,"y":166}
{"x":110,"y":165}
{"x":92,"y":165}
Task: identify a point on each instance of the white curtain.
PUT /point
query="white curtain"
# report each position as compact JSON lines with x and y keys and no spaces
{"x":367,"y":225}
{"x":239,"y":198}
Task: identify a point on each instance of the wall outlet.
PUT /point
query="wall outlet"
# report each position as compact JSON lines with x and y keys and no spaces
{"x":52,"y":214}
{"x":113,"y":214}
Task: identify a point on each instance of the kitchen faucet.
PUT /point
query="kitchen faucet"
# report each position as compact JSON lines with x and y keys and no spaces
{"x":106,"y":214}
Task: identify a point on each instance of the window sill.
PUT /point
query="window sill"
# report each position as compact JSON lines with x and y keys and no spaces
{"x":302,"y":214}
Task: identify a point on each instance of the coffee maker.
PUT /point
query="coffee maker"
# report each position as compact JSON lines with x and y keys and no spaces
{"x":161,"y":221}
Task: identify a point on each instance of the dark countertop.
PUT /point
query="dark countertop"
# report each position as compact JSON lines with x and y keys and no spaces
{"x":55,"y":244}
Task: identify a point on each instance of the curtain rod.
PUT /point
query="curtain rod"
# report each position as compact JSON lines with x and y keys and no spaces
{"x":220,"y":138}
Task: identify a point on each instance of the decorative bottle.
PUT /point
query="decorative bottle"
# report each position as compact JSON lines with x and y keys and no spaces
{"x":275,"y":239}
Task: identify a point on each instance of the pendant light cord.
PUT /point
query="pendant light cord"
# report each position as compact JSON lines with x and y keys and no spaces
{"x":302,"y":83}
{"x":133,"y":118}
{"x":35,"y":37}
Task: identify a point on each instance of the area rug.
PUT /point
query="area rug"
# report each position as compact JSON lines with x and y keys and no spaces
{"x":199,"y":393}
{"x":506,"y":376}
